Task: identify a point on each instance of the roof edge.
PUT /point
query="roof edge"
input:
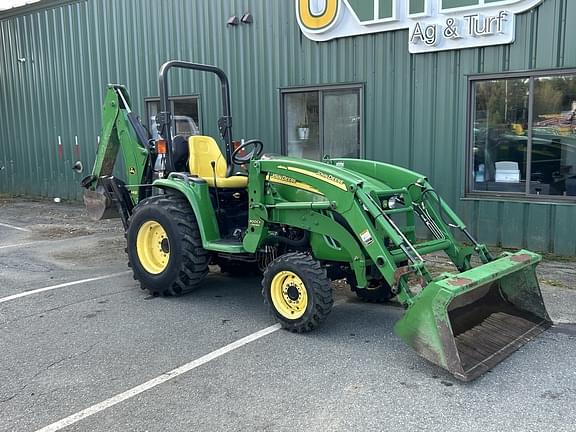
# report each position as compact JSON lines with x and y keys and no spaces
{"x":34,"y":7}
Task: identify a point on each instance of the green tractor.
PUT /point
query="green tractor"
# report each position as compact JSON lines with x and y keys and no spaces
{"x":304,"y":223}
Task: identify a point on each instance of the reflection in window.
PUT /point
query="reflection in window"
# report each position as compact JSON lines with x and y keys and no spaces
{"x":342,"y":123}
{"x":184,"y":113}
{"x":324,"y":122}
{"x":517,"y":154}
{"x":500,"y":140}
{"x":554,"y":135}
{"x":302,"y":125}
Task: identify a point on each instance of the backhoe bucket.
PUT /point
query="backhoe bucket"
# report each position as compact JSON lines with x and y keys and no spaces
{"x":99,"y":205}
{"x":472,"y":321}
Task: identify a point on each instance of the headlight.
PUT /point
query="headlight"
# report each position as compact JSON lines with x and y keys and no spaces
{"x":391,"y":203}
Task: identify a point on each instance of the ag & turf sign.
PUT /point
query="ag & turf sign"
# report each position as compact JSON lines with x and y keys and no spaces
{"x":434,"y":25}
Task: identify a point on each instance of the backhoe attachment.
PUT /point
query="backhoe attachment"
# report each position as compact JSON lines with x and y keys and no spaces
{"x":106,"y":196}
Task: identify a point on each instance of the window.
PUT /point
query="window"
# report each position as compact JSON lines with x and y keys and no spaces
{"x":523,"y":135}
{"x":322,"y":122}
{"x":185,"y":112}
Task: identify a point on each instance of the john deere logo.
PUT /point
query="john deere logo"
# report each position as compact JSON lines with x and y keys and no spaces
{"x":434,"y":25}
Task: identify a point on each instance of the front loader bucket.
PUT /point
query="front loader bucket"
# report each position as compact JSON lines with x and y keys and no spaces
{"x":472,"y":321}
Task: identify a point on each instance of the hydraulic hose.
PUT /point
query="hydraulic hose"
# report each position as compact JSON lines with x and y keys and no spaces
{"x":303,"y":242}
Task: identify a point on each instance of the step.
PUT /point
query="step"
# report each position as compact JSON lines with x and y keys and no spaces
{"x":233,"y":246}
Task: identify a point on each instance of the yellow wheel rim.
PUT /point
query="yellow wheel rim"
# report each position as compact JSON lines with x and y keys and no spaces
{"x":153,"y":247}
{"x":289,"y":295}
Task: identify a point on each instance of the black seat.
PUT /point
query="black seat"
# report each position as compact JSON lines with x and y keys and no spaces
{"x":180,"y":153}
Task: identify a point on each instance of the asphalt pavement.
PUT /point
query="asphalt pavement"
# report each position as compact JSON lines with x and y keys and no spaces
{"x":85,"y":348}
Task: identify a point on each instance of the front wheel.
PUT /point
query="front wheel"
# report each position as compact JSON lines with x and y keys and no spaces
{"x":164,"y":246}
{"x":297,"y":291}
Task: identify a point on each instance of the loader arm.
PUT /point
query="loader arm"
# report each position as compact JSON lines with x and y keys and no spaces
{"x":366,"y":232}
{"x":466,"y":321}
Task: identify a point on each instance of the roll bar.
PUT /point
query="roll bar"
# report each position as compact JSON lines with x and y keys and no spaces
{"x":164,"y":118}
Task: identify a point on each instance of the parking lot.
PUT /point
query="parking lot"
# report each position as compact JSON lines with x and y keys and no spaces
{"x":84,"y":348}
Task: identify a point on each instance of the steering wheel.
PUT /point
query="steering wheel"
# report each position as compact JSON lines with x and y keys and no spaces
{"x":257,"y":147}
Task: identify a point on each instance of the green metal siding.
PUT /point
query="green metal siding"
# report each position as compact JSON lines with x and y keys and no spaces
{"x":415,"y":105}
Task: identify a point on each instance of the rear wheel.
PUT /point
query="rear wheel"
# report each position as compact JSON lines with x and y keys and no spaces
{"x":297,"y":291}
{"x":164,"y":246}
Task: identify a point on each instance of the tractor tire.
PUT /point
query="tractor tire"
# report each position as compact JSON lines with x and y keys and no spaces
{"x":297,"y":291}
{"x":375,"y":292}
{"x":164,"y":246}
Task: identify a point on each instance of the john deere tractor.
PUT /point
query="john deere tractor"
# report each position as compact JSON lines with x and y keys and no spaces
{"x":304,"y":223}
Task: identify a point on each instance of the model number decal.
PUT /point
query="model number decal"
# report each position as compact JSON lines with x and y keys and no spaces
{"x":366,"y":237}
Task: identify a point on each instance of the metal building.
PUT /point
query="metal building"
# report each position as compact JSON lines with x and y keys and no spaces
{"x":478,"y":95}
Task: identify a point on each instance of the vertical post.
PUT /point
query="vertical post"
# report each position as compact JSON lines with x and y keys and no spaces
{"x":530,"y":136}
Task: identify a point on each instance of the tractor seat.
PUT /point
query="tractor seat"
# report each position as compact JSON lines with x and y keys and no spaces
{"x":180,"y":153}
{"x":203,"y":151}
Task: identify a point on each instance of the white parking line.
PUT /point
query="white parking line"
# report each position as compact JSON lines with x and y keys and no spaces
{"x":64,"y":285}
{"x":74,"y":418}
{"x":14,"y":227}
{"x":19,"y":245}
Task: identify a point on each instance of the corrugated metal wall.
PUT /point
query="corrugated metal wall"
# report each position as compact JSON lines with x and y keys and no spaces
{"x":415,"y":105}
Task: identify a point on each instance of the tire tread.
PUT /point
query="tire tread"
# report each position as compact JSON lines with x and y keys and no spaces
{"x":319,"y":285}
{"x":195,"y":259}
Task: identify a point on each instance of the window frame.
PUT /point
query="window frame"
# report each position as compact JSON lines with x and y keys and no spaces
{"x":172,"y":99}
{"x":531,"y":75}
{"x":320,"y":89}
